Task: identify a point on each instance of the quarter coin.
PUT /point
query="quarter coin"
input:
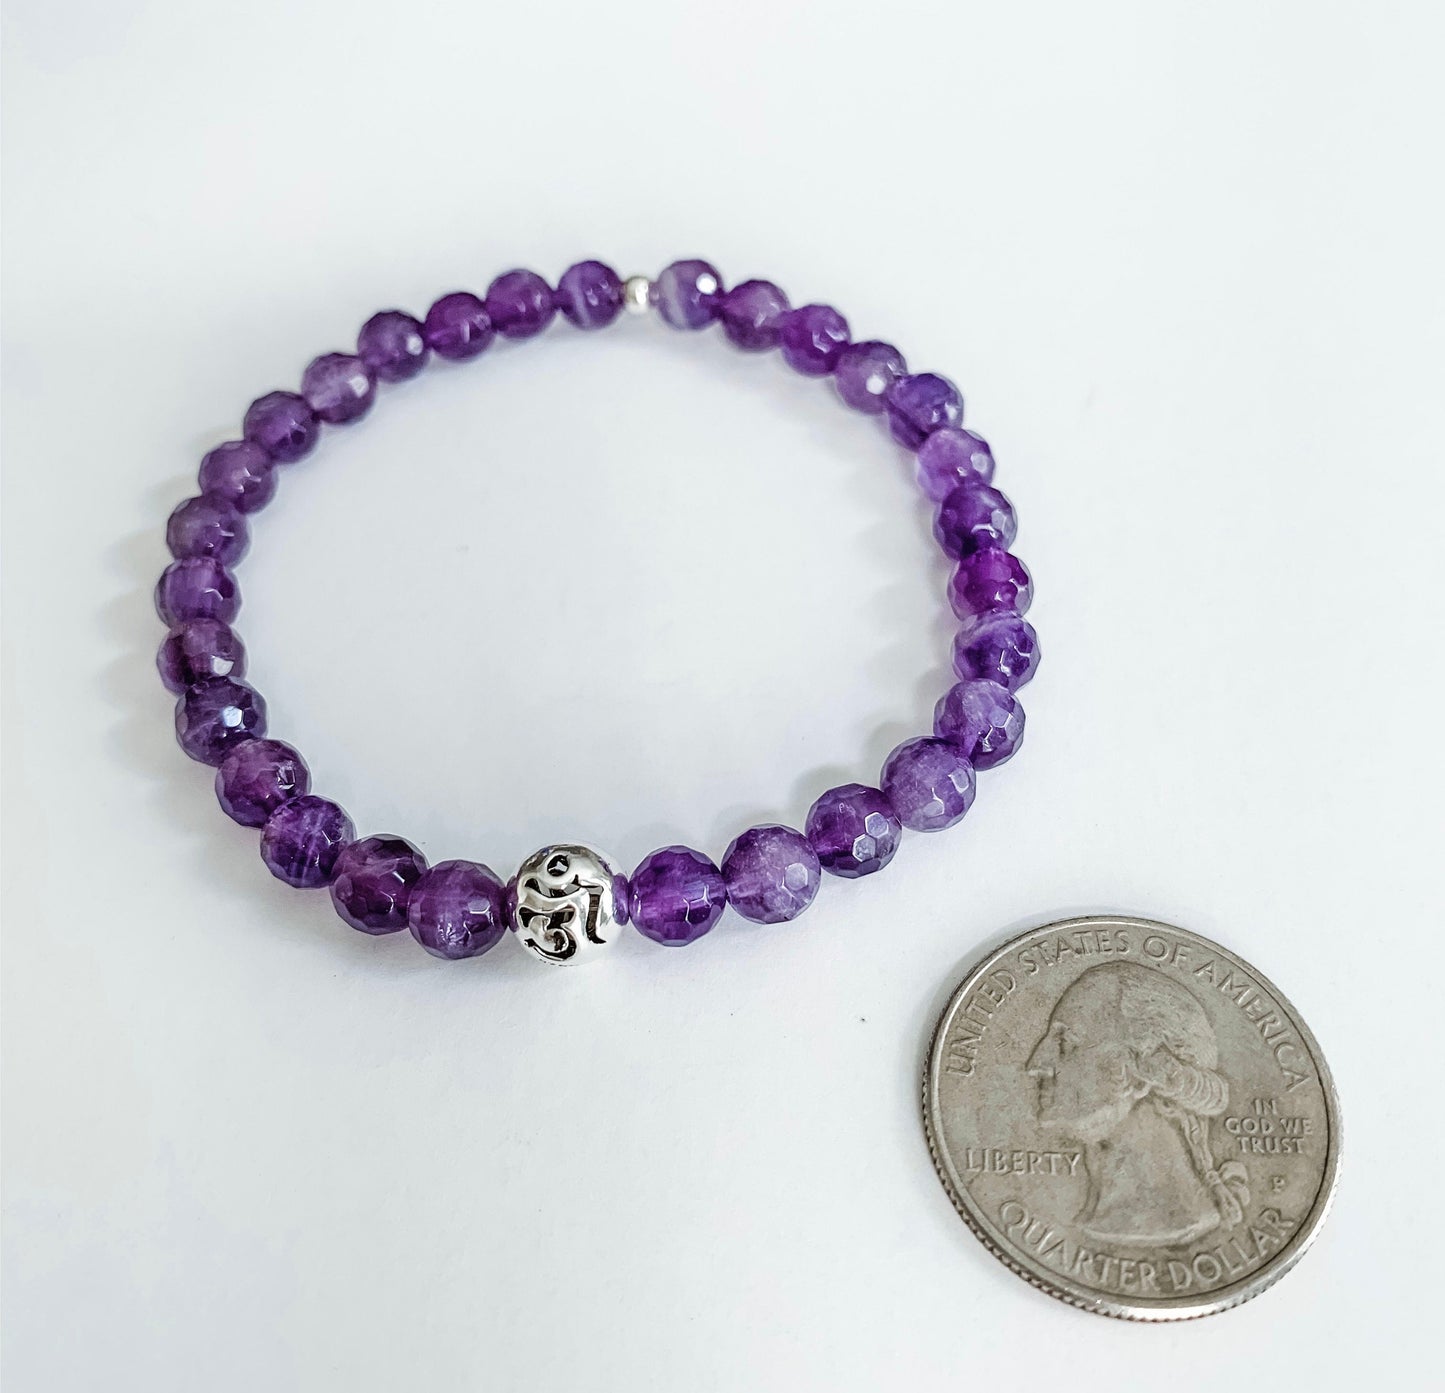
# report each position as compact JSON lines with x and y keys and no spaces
{"x":1132,"y":1118}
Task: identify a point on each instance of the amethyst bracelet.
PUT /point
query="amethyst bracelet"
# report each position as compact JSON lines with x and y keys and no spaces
{"x":566,"y":901}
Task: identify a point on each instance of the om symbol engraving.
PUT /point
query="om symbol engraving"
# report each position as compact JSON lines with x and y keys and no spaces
{"x":568,"y":902}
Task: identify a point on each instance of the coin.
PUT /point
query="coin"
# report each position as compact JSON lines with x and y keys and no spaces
{"x":1132,"y":1118}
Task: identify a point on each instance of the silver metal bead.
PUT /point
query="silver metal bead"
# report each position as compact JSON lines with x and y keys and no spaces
{"x":636,"y":294}
{"x":565,"y":903}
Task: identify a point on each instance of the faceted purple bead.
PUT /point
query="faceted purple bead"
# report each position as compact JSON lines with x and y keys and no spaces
{"x":207,"y":526}
{"x":677,"y":895}
{"x":392,"y":346}
{"x":929,"y":783}
{"x":589,"y":296}
{"x":302,"y":839}
{"x":215,"y":715}
{"x":950,"y":457}
{"x":854,"y":830}
{"x":196,"y":649}
{"x":457,"y":909}
{"x":974,"y":516}
{"x":240,"y":472}
{"x":520,"y":304}
{"x":1002,"y":647}
{"x":920,"y":404}
{"x":372,"y":881}
{"x":772,"y":874}
{"x":687,"y":293}
{"x":338,"y":387}
{"x":458,"y":326}
{"x":983,"y":719}
{"x":750,"y":314}
{"x":990,"y":579}
{"x":865,"y":371}
{"x":257,"y":777}
{"x":812,"y":338}
{"x":283,"y":424}
{"x":197,"y":588}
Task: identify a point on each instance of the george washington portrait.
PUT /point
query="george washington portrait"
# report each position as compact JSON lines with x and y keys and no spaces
{"x":1128,"y":1068}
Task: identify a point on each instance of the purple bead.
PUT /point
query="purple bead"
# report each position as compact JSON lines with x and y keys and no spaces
{"x":929,"y":783}
{"x":257,"y":777}
{"x":854,"y":830}
{"x":677,"y":895}
{"x":686,"y":294}
{"x":990,"y":580}
{"x":302,"y":839}
{"x":457,"y":909}
{"x":338,"y":387}
{"x":283,"y":425}
{"x":197,"y":588}
{"x":207,"y":526}
{"x":372,"y":880}
{"x":520,"y":304}
{"x":950,"y":457}
{"x":215,"y":715}
{"x":750,"y":314}
{"x":392,"y":346}
{"x":865,"y":371}
{"x":812,"y":338}
{"x":921,"y":404}
{"x":589,"y":296}
{"x":772,"y":874}
{"x":197,"y":649}
{"x":974,"y":516}
{"x":240,"y":472}
{"x":458,"y":326}
{"x":1001,"y":647}
{"x":983,"y":719}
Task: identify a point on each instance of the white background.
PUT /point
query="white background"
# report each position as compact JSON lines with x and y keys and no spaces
{"x":635,"y":588}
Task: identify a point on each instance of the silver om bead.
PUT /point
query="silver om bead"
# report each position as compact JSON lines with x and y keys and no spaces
{"x":566,"y":903}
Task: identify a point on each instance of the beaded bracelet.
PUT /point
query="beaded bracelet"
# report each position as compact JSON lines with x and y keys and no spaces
{"x":566,"y":902}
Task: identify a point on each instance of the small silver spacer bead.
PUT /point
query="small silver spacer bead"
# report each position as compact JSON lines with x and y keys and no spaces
{"x":637,"y":294}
